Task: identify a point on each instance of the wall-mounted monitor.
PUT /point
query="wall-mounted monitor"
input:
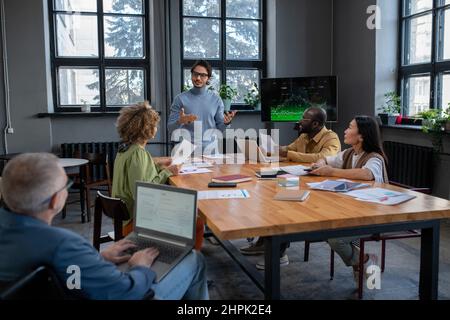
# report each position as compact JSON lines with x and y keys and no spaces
{"x":286,"y":99}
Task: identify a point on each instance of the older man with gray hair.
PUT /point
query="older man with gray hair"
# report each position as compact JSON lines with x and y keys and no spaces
{"x":34,"y":188}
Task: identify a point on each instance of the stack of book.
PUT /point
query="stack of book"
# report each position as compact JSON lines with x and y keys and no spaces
{"x":234,"y":178}
{"x":268,"y":173}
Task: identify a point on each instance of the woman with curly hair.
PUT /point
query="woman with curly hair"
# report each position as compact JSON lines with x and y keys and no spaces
{"x":136,"y":125}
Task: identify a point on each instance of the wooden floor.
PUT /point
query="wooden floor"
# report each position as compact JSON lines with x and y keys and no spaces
{"x":309,"y":280}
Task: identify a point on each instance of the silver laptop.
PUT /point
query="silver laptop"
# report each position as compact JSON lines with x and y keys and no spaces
{"x":253,"y":152}
{"x":165,"y":217}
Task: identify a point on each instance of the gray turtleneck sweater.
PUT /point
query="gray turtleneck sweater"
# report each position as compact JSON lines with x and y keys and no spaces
{"x":206,"y":105}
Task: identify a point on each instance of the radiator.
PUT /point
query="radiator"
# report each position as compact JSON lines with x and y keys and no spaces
{"x":409,"y":164}
{"x":109,"y":148}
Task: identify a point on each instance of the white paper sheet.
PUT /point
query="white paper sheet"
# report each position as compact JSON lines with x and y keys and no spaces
{"x":199,"y":164}
{"x":216,"y":156}
{"x":267,"y":144}
{"x":223,"y":194}
{"x":295,"y":170}
{"x":182,"y":152}
{"x":380,"y":196}
{"x":193,"y":170}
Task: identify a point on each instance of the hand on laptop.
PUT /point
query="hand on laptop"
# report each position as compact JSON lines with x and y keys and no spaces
{"x":116,"y":252}
{"x":144,"y":257}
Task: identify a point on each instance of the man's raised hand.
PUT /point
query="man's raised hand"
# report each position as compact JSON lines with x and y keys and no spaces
{"x":186,"y":118}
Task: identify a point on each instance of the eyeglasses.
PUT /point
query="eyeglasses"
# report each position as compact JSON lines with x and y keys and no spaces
{"x":66,"y":187}
{"x":198,"y":74}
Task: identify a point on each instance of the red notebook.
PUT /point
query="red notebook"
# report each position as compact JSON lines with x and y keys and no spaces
{"x":235,"y":178}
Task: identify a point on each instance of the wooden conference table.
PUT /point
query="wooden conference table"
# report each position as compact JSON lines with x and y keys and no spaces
{"x":322,"y":216}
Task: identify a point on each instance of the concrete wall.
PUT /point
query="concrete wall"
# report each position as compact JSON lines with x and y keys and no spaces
{"x":300,"y":44}
{"x":354,"y":60}
{"x":26,"y":47}
{"x":387,"y":50}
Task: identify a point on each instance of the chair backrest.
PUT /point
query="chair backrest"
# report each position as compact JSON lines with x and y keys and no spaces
{"x":40,"y":284}
{"x":95,"y":158}
{"x":98,"y":166}
{"x":113,"y":208}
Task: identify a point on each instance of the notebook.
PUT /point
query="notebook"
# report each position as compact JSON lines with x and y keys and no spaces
{"x":236,"y":178}
{"x":268,"y":173}
{"x":292,"y":195}
{"x":165,"y":218}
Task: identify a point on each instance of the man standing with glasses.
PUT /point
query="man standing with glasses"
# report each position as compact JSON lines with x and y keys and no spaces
{"x":199,"y":104}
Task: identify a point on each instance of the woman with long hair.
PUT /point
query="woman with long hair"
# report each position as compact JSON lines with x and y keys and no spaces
{"x":365,"y":160}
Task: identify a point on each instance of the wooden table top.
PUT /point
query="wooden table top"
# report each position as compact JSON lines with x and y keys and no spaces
{"x":260,"y":215}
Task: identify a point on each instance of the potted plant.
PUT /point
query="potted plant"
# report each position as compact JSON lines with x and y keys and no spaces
{"x":227,"y":94}
{"x":252,"y":97}
{"x":447,"y":119}
{"x":433,"y":121}
{"x":391,"y":108}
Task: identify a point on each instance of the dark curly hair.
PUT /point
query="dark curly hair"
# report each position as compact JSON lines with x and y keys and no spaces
{"x":138,"y":123}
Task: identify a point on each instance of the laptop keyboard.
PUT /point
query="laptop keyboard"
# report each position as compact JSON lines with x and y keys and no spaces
{"x":167,"y":253}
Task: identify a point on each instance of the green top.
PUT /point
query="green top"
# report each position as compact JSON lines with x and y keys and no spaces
{"x":130,"y":166}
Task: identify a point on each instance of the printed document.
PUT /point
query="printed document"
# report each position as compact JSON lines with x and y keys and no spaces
{"x":223,"y":194}
{"x":380,"y":196}
{"x":182,"y":152}
{"x":295,"y":170}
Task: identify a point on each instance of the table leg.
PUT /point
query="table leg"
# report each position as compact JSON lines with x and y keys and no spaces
{"x":82,"y":194}
{"x":429,"y":262}
{"x":272,"y":268}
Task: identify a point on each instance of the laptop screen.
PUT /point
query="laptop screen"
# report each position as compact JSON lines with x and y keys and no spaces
{"x":166,"y":211}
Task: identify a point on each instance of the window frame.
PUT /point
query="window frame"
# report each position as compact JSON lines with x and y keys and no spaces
{"x":222,"y":64}
{"x":102,"y":63}
{"x":435,"y":67}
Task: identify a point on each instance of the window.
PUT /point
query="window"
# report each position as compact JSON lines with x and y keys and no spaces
{"x":425,"y":59}
{"x":99,"y":53}
{"x":229,"y":34}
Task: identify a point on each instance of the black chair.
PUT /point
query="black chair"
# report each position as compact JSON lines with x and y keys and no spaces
{"x":40,"y":284}
{"x":95,"y":174}
{"x":113,"y":208}
{"x":98,"y":162}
